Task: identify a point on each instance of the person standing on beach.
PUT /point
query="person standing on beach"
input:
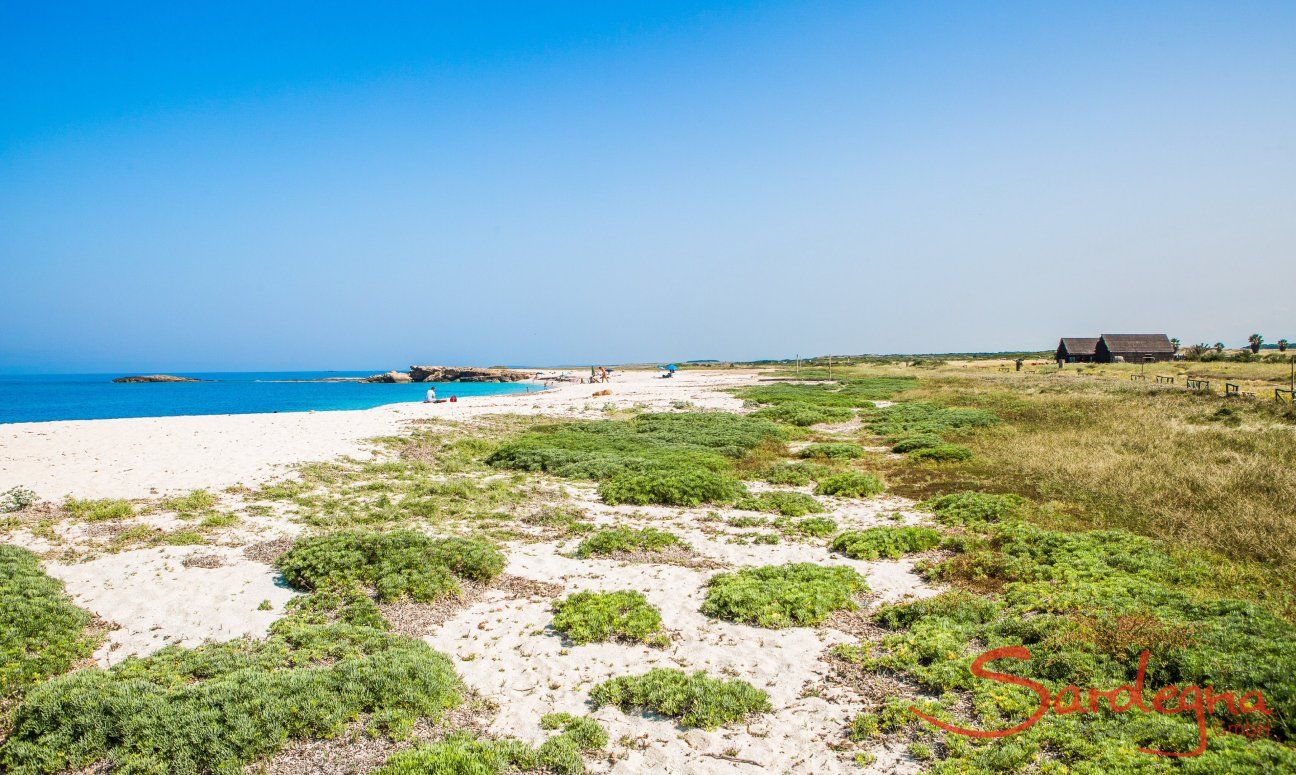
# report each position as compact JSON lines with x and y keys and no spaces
{"x":430,"y":398}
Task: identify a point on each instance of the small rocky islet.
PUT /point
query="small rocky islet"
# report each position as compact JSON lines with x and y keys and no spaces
{"x":157,"y":378}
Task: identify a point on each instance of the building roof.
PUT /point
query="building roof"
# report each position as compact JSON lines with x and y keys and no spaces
{"x":1138,"y":343}
{"x":1080,"y":345}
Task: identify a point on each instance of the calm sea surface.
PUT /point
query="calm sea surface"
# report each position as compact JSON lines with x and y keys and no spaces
{"x":95,"y":396}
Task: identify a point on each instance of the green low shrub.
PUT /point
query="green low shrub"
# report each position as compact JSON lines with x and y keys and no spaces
{"x":589,"y":617}
{"x":837,"y":450}
{"x":679,"y":487}
{"x":349,"y":605}
{"x":623,"y":539}
{"x":942,"y":453}
{"x":462,"y":754}
{"x":816,"y":527}
{"x":680,"y":459}
{"x":16,"y":499}
{"x":788,"y":504}
{"x":585,"y":732}
{"x":796,"y":594}
{"x":973,"y":508}
{"x":803,"y":414}
{"x":695,"y":700}
{"x":42,"y":633}
{"x":795,"y":474}
{"x":1086,"y":604}
{"x":916,"y":441}
{"x":910,"y":418}
{"x":221,"y":706}
{"x":889,"y":542}
{"x":399,"y":563}
{"x":850,"y":484}
{"x":97,"y":510}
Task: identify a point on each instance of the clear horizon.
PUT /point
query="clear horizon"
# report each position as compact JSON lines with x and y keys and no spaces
{"x":195,"y":189}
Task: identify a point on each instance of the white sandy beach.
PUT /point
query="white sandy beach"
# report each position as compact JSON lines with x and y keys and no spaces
{"x":138,"y":457}
{"x":499,"y":642}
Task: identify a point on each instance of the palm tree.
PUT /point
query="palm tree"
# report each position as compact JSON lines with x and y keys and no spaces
{"x":1255,"y":340}
{"x":1282,"y":345}
{"x":1219,"y":347}
{"x":1175,"y":343}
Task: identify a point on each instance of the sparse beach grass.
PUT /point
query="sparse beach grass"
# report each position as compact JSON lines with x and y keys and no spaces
{"x":98,"y":510}
{"x":619,"y":540}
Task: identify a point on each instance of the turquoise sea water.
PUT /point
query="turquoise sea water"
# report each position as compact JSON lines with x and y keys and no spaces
{"x":96,"y":396}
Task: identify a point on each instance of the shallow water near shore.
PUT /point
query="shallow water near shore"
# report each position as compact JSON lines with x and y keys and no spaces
{"x":40,"y":398}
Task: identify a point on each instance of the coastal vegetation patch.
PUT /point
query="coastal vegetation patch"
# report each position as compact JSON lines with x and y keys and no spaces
{"x":796,"y":474}
{"x":850,"y":484}
{"x":804,"y":415}
{"x":16,"y":499}
{"x":590,"y":617}
{"x":813,"y":527}
{"x":973,"y":508}
{"x":851,"y":393}
{"x":788,"y":504}
{"x":97,"y":510}
{"x":836,"y":450}
{"x":913,"y":442}
{"x":1146,"y":465}
{"x":587,"y":733}
{"x":192,"y":504}
{"x":803,"y":405}
{"x":792,"y":595}
{"x":42,"y":633}
{"x":436,"y":476}
{"x":395,"y":564}
{"x":910,"y":418}
{"x":221,"y":706}
{"x":1085,"y":605}
{"x":679,"y":459}
{"x":616,"y":540}
{"x":942,"y":453}
{"x":889,"y":542}
{"x":694,"y":699}
{"x":463,"y":754}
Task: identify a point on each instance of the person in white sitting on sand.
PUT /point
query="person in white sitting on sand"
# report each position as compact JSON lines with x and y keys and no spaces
{"x":430,"y":398}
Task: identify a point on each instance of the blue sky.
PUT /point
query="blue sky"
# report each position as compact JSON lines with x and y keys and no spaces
{"x":342,"y":185}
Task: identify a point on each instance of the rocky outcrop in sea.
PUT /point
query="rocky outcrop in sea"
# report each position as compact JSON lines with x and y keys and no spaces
{"x":450,"y":374}
{"x":157,"y":378}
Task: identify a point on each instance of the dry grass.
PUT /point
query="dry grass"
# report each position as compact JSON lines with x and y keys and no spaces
{"x":1159,"y":462}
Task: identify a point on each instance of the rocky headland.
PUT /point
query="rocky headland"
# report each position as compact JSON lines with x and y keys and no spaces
{"x":450,"y":374}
